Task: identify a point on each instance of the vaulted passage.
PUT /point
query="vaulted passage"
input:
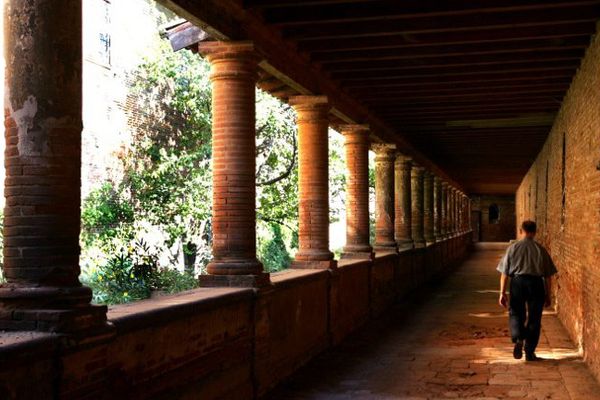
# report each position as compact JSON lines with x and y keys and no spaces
{"x":451,"y":342}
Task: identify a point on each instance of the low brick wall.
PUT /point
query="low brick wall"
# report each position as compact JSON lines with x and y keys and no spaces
{"x":217,"y":343}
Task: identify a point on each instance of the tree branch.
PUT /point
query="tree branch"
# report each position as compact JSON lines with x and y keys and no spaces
{"x":288,"y":170}
{"x":276,"y":221}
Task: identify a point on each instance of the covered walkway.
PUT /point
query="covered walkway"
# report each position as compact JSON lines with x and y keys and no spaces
{"x":452,"y":343}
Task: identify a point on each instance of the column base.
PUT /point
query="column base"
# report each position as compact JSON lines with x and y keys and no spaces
{"x":235,"y":267}
{"x":89,"y":318}
{"x":358,"y":255}
{"x":429,"y":241}
{"x":314,"y":264}
{"x":420,"y":243}
{"x":240,"y":281}
{"x":49,"y":309}
{"x":439,"y":238}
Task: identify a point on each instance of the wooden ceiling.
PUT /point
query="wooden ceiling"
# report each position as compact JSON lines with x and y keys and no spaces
{"x":473,"y":85}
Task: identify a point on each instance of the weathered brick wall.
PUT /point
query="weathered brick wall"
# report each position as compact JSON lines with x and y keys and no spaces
{"x":501,"y":231}
{"x":564,"y":198}
{"x":218,"y":343}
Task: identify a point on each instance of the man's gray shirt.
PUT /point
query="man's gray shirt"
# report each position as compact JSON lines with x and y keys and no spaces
{"x":526,"y":257}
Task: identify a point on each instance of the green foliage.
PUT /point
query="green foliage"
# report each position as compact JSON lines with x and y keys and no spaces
{"x":132,"y":275}
{"x":106,"y":214}
{"x":273,"y":251}
{"x":167,"y":185}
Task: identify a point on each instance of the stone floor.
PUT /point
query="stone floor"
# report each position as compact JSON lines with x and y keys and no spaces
{"x":451,"y":344}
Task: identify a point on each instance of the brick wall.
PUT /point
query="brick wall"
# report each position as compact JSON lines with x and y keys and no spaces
{"x":561,"y":192}
{"x":501,"y":230}
{"x":218,"y":343}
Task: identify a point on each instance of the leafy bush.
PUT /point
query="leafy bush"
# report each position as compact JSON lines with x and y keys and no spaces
{"x":105,"y":215}
{"x":133,"y":275}
{"x":273,"y":252}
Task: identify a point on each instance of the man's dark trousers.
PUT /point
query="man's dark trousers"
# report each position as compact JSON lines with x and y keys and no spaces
{"x":527,"y":296}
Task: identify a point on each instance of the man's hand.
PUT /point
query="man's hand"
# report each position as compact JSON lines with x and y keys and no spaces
{"x":548,"y":301}
{"x":503,"y":300}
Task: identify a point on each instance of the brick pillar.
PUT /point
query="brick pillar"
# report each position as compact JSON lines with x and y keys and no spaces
{"x":43,"y":171}
{"x":452,"y":194}
{"x":445,"y":210}
{"x":463,"y":213}
{"x":417,"y":206}
{"x":357,"y":192}
{"x":437,"y":204}
{"x":313,"y":182}
{"x":384,"y":197}
{"x":428,"y":209}
{"x":233,"y":76}
{"x":403,"y":213}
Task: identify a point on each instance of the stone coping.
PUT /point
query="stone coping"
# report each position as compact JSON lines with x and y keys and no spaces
{"x":156,"y":312}
{"x":26,"y":345}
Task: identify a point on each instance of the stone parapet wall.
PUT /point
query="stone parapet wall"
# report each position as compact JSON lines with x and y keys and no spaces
{"x":219,"y":342}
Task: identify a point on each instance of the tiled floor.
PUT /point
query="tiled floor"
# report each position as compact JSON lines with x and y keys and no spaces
{"x":453,"y":344}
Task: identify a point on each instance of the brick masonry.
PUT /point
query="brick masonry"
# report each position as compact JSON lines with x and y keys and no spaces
{"x":219,"y":343}
{"x":501,"y":231}
{"x":561,"y":192}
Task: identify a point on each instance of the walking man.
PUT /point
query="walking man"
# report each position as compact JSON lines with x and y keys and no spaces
{"x":530,"y":268}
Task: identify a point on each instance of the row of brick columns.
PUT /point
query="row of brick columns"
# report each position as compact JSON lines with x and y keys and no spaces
{"x":43,"y":164}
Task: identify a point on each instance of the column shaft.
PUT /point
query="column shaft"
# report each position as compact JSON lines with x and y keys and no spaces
{"x":438,"y":215}
{"x":233,"y":76}
{"x":428,"y":210}
{"x":313,"y":182}
{"x":445,"y":210}
{"x":357,"y":192}
{"x":384,"y":197}
{"x":403,"y":199}
{"x":417,"y":206}
{"x":43,"y":170}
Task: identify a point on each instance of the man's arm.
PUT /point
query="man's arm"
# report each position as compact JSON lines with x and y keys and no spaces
{"x":503,"y":300}
{"x":548,"y":283}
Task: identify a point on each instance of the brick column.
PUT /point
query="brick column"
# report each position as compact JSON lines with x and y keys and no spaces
{"x":384,"y":197}
{"x":43,"y":170}
{"x":233,"y":76}
{"x":452,"y":194}
{"x":463,"y":213}
{"x":445,"y":210}
{"x":417,"y":205}
{"x":457,"y":214}
{"x":428,"y":210}
{"x":403,"y":198}
{"x":313,"y":183}
{"x":438,"y":214}
{"x":357,"y":191}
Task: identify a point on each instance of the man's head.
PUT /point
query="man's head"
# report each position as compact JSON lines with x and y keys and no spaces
{"x":528,"y":229}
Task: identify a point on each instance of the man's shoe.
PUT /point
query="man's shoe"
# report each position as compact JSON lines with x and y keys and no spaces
{"x":532,"y":357}
{"x":518,"y":350}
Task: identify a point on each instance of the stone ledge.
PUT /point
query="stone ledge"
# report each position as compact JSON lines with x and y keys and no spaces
{"x":24,"y":346}
{"x":153,"y":312}
{"x":290,"y":276}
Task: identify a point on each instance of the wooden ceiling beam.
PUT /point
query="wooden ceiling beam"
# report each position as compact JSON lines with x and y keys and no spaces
{"x":447,"y":23}
{"x":410,"y":9}
{"x":567,"y":62}
{"x":502,"y":34}
{"x":437,"y":59}
{"x":421,"y":54}
{"x":495,"y":78}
